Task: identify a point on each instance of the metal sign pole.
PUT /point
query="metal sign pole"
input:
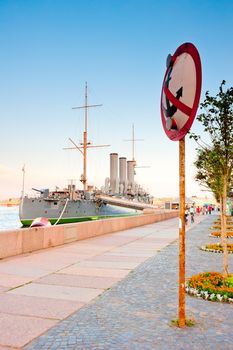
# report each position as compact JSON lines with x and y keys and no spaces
{"x":182,"y":321}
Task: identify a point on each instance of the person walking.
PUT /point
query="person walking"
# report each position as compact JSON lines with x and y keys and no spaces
{"x":186,"y":213}
{"x":191,"y":211}
{"x":209,"y":209}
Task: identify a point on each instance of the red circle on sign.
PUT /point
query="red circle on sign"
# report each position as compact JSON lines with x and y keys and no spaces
{"x":177,"y":125}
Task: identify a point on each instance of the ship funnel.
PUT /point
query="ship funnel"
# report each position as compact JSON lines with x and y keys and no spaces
{"x":107,"y":185}
{"x":123,"y":175}
{"x":114,"y":182}
{"x":130,"y":173}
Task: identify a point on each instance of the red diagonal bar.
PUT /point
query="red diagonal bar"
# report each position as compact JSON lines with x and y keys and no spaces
{"x":179,"y":105}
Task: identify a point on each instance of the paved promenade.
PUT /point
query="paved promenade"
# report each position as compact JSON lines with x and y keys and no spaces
{"x":133,"y":314}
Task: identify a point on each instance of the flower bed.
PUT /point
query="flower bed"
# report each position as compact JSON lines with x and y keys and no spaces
{"x":218,"y":234}
{"x":211,"y":286}
{"x":217,"y":248}
{"x":229,"y":222}
{"x":229,"y":227}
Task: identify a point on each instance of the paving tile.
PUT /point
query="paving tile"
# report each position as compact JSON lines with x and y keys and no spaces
{"x":88,"y":245}
{"x":140,"y":246}
{"x":154,"y":240}
{"x":58,"y":292}
{"x":17,"y":331}
{"x":128,"y":248}
{"x":24,"y":270}
{"x":78,"y":281}
{"x":80,"y":252}
{"x":129,"y":253}
{"x":106,"y":257}
{"x":133,"y":233}
{"x":39,"y":307}
{"x":10,"y":281}
{"x":151,"y":247}
{"x":25,"y":266}
{"x":111,"y":241}
{"x":52,"y":260}
{"x":109,"y":264}
{"x":87,"y":271}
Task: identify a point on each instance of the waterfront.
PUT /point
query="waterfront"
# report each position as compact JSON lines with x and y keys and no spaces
{"x":9,"y":218}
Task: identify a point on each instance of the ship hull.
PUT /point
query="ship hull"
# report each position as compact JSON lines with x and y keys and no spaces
{"x":61,"y":212}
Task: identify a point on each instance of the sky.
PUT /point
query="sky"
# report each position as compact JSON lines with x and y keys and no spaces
{"x":49,"y":49}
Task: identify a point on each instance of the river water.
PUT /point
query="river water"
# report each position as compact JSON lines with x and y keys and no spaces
{"x":9,"y":218}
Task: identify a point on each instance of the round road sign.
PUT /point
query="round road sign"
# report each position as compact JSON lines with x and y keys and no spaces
{"x":181,"y":91}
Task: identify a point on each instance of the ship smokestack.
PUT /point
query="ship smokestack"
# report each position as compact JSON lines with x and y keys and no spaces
{"x":130,"y":173}
{"x":114,"y":182}
{"x":123,"y":173}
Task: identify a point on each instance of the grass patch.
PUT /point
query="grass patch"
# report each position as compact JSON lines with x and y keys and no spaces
{"x":188,"y":323}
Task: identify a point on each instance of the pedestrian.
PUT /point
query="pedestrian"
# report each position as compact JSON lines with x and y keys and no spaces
{"x":198,"y":210}
{"x":191,"y":211}
{"x":209,"y":209}
{"x":186,"y":213}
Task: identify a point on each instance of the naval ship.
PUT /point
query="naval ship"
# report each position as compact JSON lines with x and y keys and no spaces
{"x":120,"y":196}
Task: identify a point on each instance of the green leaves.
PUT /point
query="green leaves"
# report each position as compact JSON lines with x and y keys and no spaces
{"x":215,"y":160}
{"x":217,"y":116}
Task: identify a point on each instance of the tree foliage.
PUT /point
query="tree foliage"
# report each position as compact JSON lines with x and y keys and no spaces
{"x":215,"y":160}
{"x":209,"y":171}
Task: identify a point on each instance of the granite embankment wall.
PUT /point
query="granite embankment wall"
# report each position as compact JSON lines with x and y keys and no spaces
{"x":21,"y":241}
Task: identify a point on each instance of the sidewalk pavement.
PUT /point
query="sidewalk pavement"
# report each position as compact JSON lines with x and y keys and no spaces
{"x":41,"y":289}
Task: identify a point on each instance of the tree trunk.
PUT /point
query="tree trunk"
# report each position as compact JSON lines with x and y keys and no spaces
{"x":221,"y":219}
{"x":223,"y":227}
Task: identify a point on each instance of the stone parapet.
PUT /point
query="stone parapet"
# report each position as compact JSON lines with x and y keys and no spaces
{"x":21,"y":241}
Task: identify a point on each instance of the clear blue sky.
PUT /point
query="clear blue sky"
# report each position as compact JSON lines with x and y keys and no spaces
{"x":50,"y":48}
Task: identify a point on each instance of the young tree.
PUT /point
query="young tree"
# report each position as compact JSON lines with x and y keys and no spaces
{"x":210,"y":175}
{"x":216,"y":159}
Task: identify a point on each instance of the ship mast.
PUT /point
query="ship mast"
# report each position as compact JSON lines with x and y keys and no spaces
{"x":84,"y":177}
{"x":133,"y":144}
{"x":23,"y":170}
{"x":133,"y":150}
{"x":85,"y":145}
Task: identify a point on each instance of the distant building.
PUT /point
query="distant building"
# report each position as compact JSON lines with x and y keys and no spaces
{"x":9,"y":202}
{"x":173,"y":202}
